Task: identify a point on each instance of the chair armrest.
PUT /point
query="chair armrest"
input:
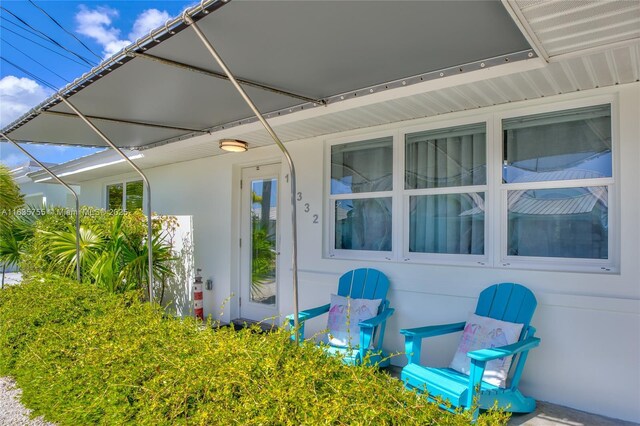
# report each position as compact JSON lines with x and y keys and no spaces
{"x":503,"y":351}
{"x":413,"y":337}
{"x":372,"y":322}
{"x":302,"y":317}
{"x":433,"y":330}
{"x":310,"y":313}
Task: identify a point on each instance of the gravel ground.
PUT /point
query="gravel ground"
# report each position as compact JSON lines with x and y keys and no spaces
{"x":12,"y":412}
{"x":12,"y":278}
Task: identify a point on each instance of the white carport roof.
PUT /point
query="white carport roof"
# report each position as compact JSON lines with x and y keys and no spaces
{"x":313,"y":53}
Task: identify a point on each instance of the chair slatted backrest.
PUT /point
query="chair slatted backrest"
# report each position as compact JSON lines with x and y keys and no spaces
{"x":364,"y":283}
{"x":507,"y":302}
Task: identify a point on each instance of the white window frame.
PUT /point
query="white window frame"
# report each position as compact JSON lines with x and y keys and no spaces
{"x":443,"y":258}
{"x":124,"y":192}
{"x":330,"y":199}
{"x":501,"y":258}
{"x":496,"y":215}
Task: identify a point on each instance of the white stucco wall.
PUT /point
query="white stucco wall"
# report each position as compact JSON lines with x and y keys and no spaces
{"x":56,"y":195}
{"x":589,"y":324}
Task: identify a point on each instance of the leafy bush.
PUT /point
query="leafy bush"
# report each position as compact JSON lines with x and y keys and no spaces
{"x":11,"y":198}
{"x":113,"y":248}
{"x":10,"y":222}
{"x":85,"y":356}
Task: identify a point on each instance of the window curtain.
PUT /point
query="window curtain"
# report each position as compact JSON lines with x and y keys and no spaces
{"x":562,"y":222}
{"x":452,"y":223}
{"x":364,"y":167}
{"x":447,"y":158}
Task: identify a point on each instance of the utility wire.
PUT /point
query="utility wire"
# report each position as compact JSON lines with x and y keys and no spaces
{"x":52,"y":40}
{"x":4,"y":18}
{"x":65,"y":30}
{"x":33,"y":76}
{"x":39,"y":63}
{"x":41,"y":45}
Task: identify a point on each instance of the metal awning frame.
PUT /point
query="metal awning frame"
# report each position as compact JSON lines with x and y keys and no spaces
{"x":61,"y":182}
{"x":144,"y":179}
{"x":292,"y":171}
{"x":171,"y":27}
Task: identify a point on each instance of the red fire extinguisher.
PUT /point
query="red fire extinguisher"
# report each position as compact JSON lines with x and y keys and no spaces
{"x":198,"y":309}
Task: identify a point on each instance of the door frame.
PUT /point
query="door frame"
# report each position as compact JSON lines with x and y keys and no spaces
{"x":243,"y":225}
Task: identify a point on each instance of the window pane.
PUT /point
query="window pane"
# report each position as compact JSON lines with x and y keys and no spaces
{"x":363,"y":224}
{"x":134,"y":195}
{"x":451,"y":223}
{"x":114,"y":196}
{"x":264,"y":216}
{"x":563,"y":145}
{"x":564,"y":222}
{"x":456,"y":156}
{"x":365,"y":166}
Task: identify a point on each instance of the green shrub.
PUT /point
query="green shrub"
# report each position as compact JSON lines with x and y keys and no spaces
{"x":113,"y":248}
{"x":11,"y":197}
{"x":84,"y":356}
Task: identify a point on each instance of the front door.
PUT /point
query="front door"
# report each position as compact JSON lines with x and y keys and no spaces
{"x":259,"y":243}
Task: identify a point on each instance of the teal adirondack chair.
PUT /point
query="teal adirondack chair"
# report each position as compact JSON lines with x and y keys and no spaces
{"x":358,"y":284}
{"x":506,"y":302}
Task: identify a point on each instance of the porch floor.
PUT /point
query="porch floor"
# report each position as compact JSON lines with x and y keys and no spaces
{"x":548,"y":414}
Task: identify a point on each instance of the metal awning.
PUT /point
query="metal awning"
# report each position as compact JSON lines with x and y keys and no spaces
{"x":288,"y":55}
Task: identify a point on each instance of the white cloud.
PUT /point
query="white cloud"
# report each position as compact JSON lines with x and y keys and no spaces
{"x":19,"y":95}
{"x":148,"y":20}
{"x":11,"y":160}
{"x":98,"y":24}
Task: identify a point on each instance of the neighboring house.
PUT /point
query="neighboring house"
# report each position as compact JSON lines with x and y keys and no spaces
{"x":526,"y":172}
{"x":37,"y":193}
{"x":123,"y":194}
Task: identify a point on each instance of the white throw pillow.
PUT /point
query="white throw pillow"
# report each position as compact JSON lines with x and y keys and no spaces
{"x":345,"y":314}
{"x":483,"y":333}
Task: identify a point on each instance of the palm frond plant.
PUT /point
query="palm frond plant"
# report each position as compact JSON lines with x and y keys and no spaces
{"x":11,"y":198}
{"x":116,"y":260}
{"x":263,"y":258}
{"x":62,"y":247}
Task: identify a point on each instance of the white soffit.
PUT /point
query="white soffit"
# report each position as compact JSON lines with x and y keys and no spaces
{"x":611,"y":67}
{"x":566,"y":27}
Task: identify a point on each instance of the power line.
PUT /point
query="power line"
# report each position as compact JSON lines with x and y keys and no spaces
{"x":39,"y":63}
{"x":33,"y":76}
{"x":65,"y":30}
{"x":52,"y":40}
{"x":41,"y":45}
{"x":4,"y":18}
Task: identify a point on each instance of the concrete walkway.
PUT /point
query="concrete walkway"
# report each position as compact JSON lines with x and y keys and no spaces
{"x":547,"y":414}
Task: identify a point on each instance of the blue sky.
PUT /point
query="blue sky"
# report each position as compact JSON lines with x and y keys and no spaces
{"x":104,"y":27}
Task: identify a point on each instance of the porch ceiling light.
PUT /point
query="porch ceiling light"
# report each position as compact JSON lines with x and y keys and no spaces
{"x":233,"y":145}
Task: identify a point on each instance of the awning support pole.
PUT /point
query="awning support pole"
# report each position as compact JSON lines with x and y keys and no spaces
{"x":75,"y":196}
{"x":292,"y":170}
{"x":144,"y":179}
